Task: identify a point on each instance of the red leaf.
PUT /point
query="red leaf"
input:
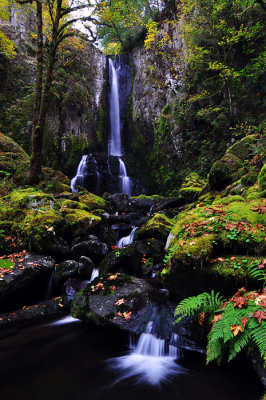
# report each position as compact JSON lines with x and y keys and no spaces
{"x":244,"y":321}
{"x":259,"y":315}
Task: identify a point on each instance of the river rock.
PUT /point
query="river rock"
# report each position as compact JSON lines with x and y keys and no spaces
{"x":90,"y":248}
{"x":26,"y":282}
{"x":131,"y":258}
{"x":64,"y":271}
{"x":85,"y":267}
{"x":103,"y":309}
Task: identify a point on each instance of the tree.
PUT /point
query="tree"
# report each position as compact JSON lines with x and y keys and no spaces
{"x":58,"y":28}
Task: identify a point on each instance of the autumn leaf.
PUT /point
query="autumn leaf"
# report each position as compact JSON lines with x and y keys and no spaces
{"x":244,"y":321}
{"x":113,"y":288}
{"x":114,"y":247}
{"x":127,"y":315}
{"x":216,"y":318}
{"x":232,"y":258}
{"x":112,"y":277}
{"x":182,"y":243}
{"x":221,"y":259}
{"x":213,"y":261}
{"x":240,"y":302}
{"x":119,"y":314}
{"x":119,"y":302}
{"x":259,"y":315}
{"x":236,"y":329}
{"x":191,"y":243}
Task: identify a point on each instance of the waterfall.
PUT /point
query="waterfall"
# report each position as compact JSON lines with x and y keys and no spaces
{"x":127,"y":240}
{"x":50,"y":284}
{"x":94,"y":274}
{"x":151,"y":360}
{"x":125,"y":180}
{"x":114,"y":110}
{"x":80,"y":175}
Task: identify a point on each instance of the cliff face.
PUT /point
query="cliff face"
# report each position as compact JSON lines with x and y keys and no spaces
{"x":76,"y":121}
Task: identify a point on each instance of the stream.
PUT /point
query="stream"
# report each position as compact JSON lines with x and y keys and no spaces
{"x":71,"y":360}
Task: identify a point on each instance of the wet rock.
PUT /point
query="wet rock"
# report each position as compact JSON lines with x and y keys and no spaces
{"x":157,"y":227}
{"x":85,"y":267}
{"x":103,"y":309}
{"x":64,"y":271}
{"x":130,"y":259}
{"x":119,"y":201}
{"x":90,"y":248}
{"x":71,"y":287}
{"x":26,"y":282}
{"x":80,"y":239}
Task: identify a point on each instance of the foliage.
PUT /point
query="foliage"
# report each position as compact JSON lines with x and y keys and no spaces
{"x":204,"y":302}
{"x":7,"y":46}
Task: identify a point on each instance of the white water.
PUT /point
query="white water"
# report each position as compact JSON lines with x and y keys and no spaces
{"x":151,"y":361}
{"x":94,"y":275}
{"x":125,"y":180}
{"x":64,"y":321}
{"x":115,"y":127}
{"x":127,"y":240}
{"x":79,"y":178}
{"x":49,"y":288}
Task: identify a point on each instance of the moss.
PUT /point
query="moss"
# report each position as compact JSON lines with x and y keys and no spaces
{"x":152,"y":197}
{"x":92,"y":201}
{"x":244,"y":149}
{"x":262,"y":178}
{"x":73,"y":205}
{"x":157,"y":227}
{"x":224,"y":171}
{"x":192,"y":187}
{"x":26,"y":197}
{"x":6,"y":264}
{"x":250,"y":178}
{"x":227,"y":200}
{"x":80,"y":222}
{"x":99,"y":131}
{"x":40,"y":228}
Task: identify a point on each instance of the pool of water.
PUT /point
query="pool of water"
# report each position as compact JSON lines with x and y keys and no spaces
{"x":69,"y":362}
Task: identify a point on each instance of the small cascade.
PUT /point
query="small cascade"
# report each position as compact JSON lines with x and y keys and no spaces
{"x":127,"y":240}
{"x":80,"y":175}
{"x":64,"y":321}
{"x":125,"y":180}
{"x":94,"y":275}
{"x":50,"y":285}
{"x":151,"y":360}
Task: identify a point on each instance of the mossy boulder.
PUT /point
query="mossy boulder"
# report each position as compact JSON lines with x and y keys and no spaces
{"x":93,"y":202}
{"x":42,"y":228}
{"x":131,"y":259}
{"x":12,"y":156}
{"x":64,"y":271}
{"x":191,"y":187}
{"x":262,"y":178}
{"x":248,"y":147}
{"x":54,"y":181}
{"x":79,"y":222}
{"x":74,"y":205}
{"x":211,"y":232}
{"x":29,"y":198}
{"x":225,"y":171}
{"x":157,"y":227}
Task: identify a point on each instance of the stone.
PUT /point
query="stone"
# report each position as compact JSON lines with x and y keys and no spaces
{"x":90,"y":248}
{"x":85,"y":267}
{"x":64,"y":271}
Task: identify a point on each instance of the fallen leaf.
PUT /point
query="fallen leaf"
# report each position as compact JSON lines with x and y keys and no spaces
{"x":119,"y":302}
{"x":259,"y":315}
{"x":182,"y":243}
{"x":127,"y":315}
{"x":236,"y":329}
{"x":192,"y":243}
{"x":244,"y":321}
{"x":232,"y":258}
{"x":216,"y":318}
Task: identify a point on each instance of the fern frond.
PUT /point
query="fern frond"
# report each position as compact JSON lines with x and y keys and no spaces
{"x":204,"y":302}
{"x":258,"y":335}
{"x":258,"y":274}
{"x":238,"y":343}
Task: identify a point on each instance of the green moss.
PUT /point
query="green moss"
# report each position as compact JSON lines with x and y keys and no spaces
{"x":262,"y":178}
{"x":225,"y":171}
{"x":144,"y":197}
{"x":6,"y":264}
{"x":73,"y":205}
{"x":26,"y":197}
{"x":192,"y":187}
{"x":92,"y":201}
{"x":80,"y":222}
{"x":229,"y":199}
{"x":157,"y":227}
{"x":244,"y":149}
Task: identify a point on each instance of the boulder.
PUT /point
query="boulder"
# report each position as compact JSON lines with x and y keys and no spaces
{"x":192,"y":187}
{"x":85,"y":267}
{"x":64,"y":271}
{"x":157,"y":227}
{"x":24,"y":279}
{"x":90,"y":248}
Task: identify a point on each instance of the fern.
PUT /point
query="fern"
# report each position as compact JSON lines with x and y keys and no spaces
{"x":204,"y":302}
{"x":257,"y":273}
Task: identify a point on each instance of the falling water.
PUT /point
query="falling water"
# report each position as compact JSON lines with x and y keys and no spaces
{"x":115,"y":127}
{"x":127,"y":240}
{"x":80,"y":175}
{"x":151,"y":360}
{"x":125,"y":180}
{"x":50,"y":283}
